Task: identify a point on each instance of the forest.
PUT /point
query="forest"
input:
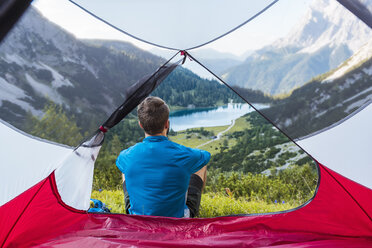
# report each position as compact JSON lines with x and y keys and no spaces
{"x":182,"y":88}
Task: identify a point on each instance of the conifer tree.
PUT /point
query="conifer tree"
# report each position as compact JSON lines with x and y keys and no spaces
{"x":56,"y":126}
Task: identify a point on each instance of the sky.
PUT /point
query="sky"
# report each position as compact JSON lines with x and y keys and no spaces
{"x":180,"y":28}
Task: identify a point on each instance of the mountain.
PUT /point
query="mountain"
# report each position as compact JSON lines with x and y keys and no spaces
{"x":40,"y":62}
{"x":326,"y":36}
{"x":215,"y":60}
{"x":327,"y":23}
{"x":328,"y":98}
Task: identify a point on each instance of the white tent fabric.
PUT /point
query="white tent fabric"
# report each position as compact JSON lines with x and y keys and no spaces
{"x":74,"y":177}
{"x":28,"y":160}
{"x":25,"y":160}
{"x":172,"y":23}
{"x":346,"y":148}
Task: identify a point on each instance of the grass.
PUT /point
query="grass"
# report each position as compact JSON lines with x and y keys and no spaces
{"x":214,"y":147}
{"x":195,"y":139}
{"x":216,"y":130}
{"x":189,"y":140}
{"x":240,"y":124}
{"x":212,"y":205}
{"x":114,"y":199}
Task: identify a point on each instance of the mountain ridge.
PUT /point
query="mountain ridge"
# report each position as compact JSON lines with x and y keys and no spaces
{"x":327,"y":35}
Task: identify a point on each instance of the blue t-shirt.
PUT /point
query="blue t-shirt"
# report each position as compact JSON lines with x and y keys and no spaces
{"x":157,"y":173}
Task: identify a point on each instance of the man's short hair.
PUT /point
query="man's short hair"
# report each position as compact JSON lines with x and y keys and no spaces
{"x":153,"y":113}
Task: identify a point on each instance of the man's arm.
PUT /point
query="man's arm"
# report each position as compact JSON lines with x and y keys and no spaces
{"x":126,"y":196}
{"x":202,"y":173}
{"x":202,"y":159}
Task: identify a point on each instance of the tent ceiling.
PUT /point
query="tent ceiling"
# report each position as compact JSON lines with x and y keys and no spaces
{"x":175,"y":24}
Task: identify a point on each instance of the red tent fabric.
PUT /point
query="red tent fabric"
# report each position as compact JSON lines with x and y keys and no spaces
{"x":338,"y":216}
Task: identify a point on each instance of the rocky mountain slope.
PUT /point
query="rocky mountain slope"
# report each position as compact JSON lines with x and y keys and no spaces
{"x":40,"y":61}
{"x":328,"y":98}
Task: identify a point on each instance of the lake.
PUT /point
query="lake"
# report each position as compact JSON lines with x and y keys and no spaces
{"x":210,"y":117}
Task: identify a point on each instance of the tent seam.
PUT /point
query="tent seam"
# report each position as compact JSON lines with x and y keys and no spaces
{"x":172,"y":48}
{"x":53,"y":185}
{"x":343,"y":187}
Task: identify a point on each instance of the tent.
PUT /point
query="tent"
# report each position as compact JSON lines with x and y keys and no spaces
{"x":47,"y":208}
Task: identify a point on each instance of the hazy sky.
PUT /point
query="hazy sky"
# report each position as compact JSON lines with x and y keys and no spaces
{"x":207,"y":18}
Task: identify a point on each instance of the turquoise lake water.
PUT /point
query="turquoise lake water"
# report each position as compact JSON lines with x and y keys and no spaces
{"x":210,"y":117}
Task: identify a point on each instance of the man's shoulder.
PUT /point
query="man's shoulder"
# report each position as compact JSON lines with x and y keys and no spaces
{"x":187,"y":149}
{"x":179,"y":146}
{"x":194,"y":159}
{"x":130,"y":149}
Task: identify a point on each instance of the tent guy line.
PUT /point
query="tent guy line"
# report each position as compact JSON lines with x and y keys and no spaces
{"x":256,"y":109}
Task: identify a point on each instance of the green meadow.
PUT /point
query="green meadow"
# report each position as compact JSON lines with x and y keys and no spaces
{"x":193,"y":137}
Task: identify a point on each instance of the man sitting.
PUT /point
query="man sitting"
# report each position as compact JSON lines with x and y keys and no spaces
{"x":162,"y":178}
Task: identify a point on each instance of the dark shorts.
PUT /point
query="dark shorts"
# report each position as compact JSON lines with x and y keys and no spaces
{"x":193,"y":195}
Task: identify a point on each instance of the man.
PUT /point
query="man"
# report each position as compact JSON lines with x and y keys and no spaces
{"x":162,"y":178}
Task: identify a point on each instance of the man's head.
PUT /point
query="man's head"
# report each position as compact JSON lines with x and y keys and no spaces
{"x":153,"y":115}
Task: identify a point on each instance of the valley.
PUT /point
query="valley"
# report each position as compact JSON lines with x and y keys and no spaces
{"x":271,"y":174}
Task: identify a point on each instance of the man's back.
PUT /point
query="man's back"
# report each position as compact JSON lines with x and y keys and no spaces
{"x":157,"y":173}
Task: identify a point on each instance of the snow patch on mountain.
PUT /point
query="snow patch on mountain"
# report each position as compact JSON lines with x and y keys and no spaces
{"x":368,"y":71}
{"x":350,"y":81}
{"x":14,"y":58}
{"x":363,"y":54}
{"x":89,"y":67}
{"x":15,"y":95}
{"x":44,"y":90}
{"x":10,"y":92}
{"x":358,"y":104}
{"x":59,"y":80}
{"x":359,"y":94}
